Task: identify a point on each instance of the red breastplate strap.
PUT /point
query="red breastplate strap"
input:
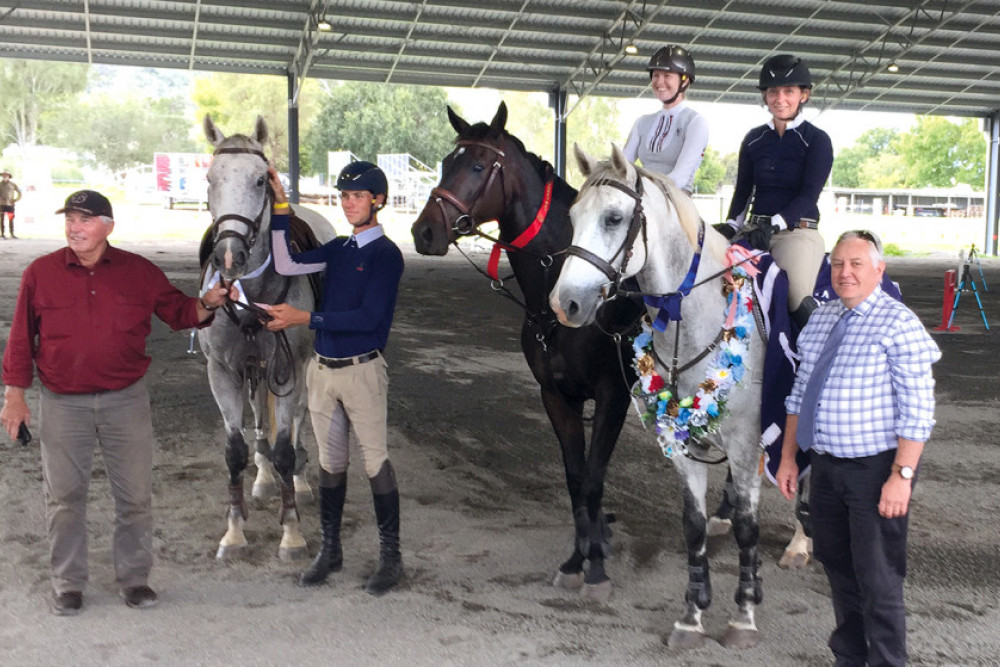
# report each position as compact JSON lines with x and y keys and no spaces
{"x":525,"y":237}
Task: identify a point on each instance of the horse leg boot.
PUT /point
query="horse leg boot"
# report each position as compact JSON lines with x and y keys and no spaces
{"x":332,"y":491}
{"x":385,"y":495}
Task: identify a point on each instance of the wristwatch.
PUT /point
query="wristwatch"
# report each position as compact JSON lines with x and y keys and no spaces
{"x":906,"y":472}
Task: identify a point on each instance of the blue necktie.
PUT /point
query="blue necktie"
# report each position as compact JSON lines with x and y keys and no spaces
{"x":810,"y":398}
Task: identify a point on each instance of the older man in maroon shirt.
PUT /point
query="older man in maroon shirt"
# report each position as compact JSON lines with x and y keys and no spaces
{"x":82,"y":318}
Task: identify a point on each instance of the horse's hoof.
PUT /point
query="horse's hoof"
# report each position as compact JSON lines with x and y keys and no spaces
{"x":685,"y":639}
{"x":740,"y":638}
{"x":570,"y":581}
{"x":262,"y":491}
{"x":289,"y":554}
{"x":232,"y":552}
{"x":303,"y":498}
{"x":717,"y":526}
{"x":791,"y":560}
{"x":596,"y":592}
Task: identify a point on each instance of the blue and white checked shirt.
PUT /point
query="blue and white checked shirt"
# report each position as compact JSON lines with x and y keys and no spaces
{"x":880,"y":387}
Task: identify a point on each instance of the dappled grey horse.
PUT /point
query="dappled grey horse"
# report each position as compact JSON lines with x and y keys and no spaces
{"x":244,"y":358}
{"x":700,"y":379}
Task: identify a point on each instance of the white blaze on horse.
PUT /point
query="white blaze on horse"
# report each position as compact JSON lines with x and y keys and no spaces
{"x":630,"y":222}
{"x":244,"y":358}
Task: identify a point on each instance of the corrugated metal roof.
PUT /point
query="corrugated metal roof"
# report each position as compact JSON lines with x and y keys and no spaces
{"x":946,"y":50}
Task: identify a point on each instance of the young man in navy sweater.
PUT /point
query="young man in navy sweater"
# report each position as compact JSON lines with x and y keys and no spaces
{"x":346,"y":380}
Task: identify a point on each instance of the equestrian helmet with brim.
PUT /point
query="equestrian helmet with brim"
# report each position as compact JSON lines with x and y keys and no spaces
{"x":363,"y":175}
{"x":784,"y":70}
{"x":672,"y":58}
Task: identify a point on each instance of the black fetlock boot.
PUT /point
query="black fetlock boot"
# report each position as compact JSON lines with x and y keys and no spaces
{"x":385,"y":495}
{"x":331,"y":510}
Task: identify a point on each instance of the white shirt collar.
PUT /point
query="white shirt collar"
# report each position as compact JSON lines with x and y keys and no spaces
{"x":792,"y":124}
{"x":367,"y":236}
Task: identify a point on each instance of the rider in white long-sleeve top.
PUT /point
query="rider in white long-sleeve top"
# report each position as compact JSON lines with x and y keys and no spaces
{"x":671,"y":141}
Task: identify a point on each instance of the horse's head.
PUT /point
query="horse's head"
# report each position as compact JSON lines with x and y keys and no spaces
{"x":238,"y":198}
{"x":473,"y":188}
{"x":607,"y":219}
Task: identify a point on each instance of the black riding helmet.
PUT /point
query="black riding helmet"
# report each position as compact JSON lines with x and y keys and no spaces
{"x":672,"y":58}
{"x":362,"y":175}
{"x":784,"y":70}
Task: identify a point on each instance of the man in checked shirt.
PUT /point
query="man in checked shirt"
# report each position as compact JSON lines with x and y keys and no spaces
{"x":872,"y":412}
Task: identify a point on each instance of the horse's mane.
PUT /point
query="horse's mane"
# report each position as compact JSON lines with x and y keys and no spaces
{"x":561,"y":191}
{"x":687,"y":214}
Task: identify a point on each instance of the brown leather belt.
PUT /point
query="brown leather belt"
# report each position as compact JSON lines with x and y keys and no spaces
{"x":347,"y":361}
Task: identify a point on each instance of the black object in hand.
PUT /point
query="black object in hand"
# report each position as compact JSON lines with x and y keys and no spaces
{"x":760,"y":238}
{"x":23,"y":434}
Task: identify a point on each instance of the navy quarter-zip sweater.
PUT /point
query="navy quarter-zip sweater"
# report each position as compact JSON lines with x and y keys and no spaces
{"x":359,"y":293}
{"x":788,"y":171}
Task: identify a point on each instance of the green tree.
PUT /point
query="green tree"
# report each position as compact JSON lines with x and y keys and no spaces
{"x":121,"y":133}
{"x":372,"y":118}
{"x":940,"y":153}
{"x":31,"y":89}
{"x":594,"y":126}
{"x":849,"y":168}
{"x":235,"y":100}
{"x":530,"y":120}
{"x":710,"y":174}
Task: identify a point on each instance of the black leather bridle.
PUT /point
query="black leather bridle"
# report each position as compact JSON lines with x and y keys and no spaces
{"x":252,"y":224}
{"x":635,"y":225}
{"x":466,"y":220}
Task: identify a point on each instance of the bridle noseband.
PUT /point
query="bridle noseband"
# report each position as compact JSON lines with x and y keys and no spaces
{"x":253,"y":225}
{"x":466,"y":221}
{"x":635,"y":225}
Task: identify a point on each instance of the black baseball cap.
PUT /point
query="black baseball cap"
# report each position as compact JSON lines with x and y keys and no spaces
{"x":90,"y":202}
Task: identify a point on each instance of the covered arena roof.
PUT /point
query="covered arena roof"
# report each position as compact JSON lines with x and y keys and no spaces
{"x":945,"y":50}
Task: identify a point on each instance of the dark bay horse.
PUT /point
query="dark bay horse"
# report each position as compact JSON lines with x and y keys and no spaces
{"x":490,"y":176}
{"x":243,"y":356}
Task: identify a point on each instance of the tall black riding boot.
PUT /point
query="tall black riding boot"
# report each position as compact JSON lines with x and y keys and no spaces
{"x":385,"y":495}
{"x":801,"y":314}
{"x":331,"y":509}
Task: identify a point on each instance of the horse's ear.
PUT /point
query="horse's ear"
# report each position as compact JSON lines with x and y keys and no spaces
{"x":457,"y":122}
{"x":499,"y":121}
{"x":620,"y":162}
{"x":212,"y":133}
{"x":260,"y":130}
{"x":585,"y":162}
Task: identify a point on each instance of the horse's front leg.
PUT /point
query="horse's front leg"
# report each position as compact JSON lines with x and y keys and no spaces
{"x":798,"y":553}
{"x":293,"y":545}
{"x":303,"y":490}
{"x":228,"y":391}
{"x":742,"y":631}
{"x":610,"y":409}
{"x":689,"y":632}
{"x":567,"y":422}
{"x":264,"y":485}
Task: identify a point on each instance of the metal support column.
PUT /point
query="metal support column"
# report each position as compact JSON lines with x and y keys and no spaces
{"x":293,"y":141}
{"x":992,"y":208}
{"x":557,"y":101}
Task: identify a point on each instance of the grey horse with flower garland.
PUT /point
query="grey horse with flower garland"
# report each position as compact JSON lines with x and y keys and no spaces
{"x":700,"y":361}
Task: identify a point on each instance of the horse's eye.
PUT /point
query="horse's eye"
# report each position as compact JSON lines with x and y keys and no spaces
{"x":261,"y":181}
{"x":477,"y":168}
{"x":612,"y":218}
